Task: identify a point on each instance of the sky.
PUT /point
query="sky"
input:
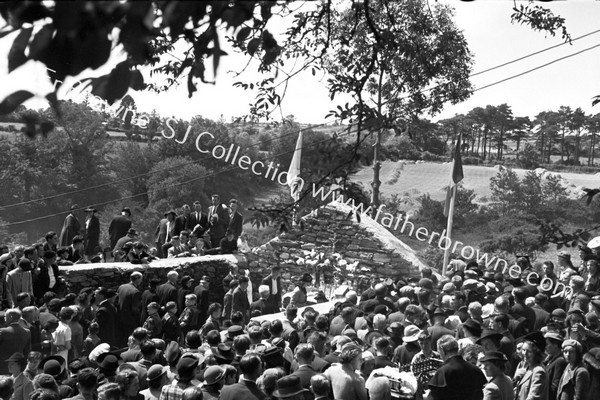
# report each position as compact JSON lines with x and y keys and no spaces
{"x":492,"y":38}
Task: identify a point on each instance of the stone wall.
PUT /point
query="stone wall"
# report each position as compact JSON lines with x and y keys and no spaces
{"x":331,"y":230}
{"x":114,"y":274}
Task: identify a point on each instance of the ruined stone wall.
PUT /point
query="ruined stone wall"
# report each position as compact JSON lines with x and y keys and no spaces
{"x":330,"y":230}
{"x":114,"y":274}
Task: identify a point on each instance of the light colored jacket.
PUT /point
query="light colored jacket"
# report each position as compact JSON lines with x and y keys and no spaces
{"x":533,"y":385}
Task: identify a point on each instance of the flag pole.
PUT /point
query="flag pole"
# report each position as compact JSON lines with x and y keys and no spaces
{"x":449,"y":230}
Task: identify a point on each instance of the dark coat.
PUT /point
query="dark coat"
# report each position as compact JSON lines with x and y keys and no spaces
{"x":41,"y":280}
{"x":71,"y":228}
{"x":13,"y":339}
{"x":541,"y":317}
{"x":264,"y":307}
{"x":92,"y":236}
{"x":305,"y":372}
{"x":196,"y":219}
{"x":274,"y":299}
{"x":521,"y":310}
{"x":239,"y":302}
{"x":162,"y":236}
{"x":166,"y":292}
{"x":118,"y":228}
{"x":107,"y":318}
{"x":147,"y":297}
{"x":236,"y":221}
{"x":555,"y":367}
{"x":202,"y":301}
{"x":130,"y":306}
{"x":180,"y":224}
{"x":218,"y":229}
{"x":457,"y":379}
{"x":574,"y":384}
{"x":242,"y":390}
{"x":170,"y":328}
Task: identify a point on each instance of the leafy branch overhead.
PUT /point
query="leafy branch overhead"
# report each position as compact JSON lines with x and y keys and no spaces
{"x":70,"y":37}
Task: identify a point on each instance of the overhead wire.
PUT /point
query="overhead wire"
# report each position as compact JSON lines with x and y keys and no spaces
{"x":271,"y":157}
{"x":293,"y":133}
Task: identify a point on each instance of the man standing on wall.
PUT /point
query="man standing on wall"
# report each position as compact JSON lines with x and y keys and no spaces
{"x":236,"y":221}
{"x":218,"y":217}
{"x":119,"y":226}
{"x":92,"y":232}
{"x":71,"y":227}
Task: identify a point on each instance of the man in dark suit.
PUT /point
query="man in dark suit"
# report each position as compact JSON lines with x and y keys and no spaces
{"x":520,"y":309}
{"x":456,"y":379}
{"x":168,"y":290}
{"x":164,"y":232}
{"x":129,"y":305}
{"x":92,"y":232}
{"x":119,"y":226}
{"x":181,"y":221}
{"x":77,"y":250}
{"x":240,"y":299}
{"x":541,"y":315}
{"x":236,"y":221}
{"x":107,"y":315}
{"x":46,"y":276}
{"x":201,"y":291}
{"x":262,"y":304}
{"x":218,"y":219}
{"x":71,"y":227}
{"x":304,"y":354}
{"x":273,"y":281}
{"x":13,"y":339}
{"x":198,"y":221}
{"x":251,"y":366}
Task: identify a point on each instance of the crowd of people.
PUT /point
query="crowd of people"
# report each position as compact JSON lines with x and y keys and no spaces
{"x":189,"y":233}
{"x":471,"y":334}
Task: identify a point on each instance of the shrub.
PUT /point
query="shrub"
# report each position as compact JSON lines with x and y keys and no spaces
{"x":427,"y":156}
{"x":471,"y":160}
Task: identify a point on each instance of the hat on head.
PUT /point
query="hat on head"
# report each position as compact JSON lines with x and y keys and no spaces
{"x":536,"y":338}
{"x":109,"y":361}
{"x":74,"y":207}
{"x":186,"y":365}
{"x":449,"y":287}
{"x":489,"y":334}
{"x":564,"y":255}
{"x":155,"y":372}
{"x":439,"y":311}
{"x":487,"y":311}
{"x":126,"y":209}
{"x":171,"y":212}
{"x":306,"y":309}
{"x":17,"y":357}
{"x":53,"y":365}
{"x":306,"y":277}
{"x":575,"y":310}
{"x":394,"y":329}
{"x":135,"y":275}
{"x":213,"y":374}
{"x":573,"y":343}
{"x":90,"y":209}
{"x":234,"y":330}
{"x":288,"y":386}
{"x":473,"y":326}
{"x":193,"y":339}
{"x":411,"y":334}
{"x":131,"y":231}
{"x":559,"y":313}
{"x":553,"y":335}
{"x":223,"y":353}
{"x":494,"y":356}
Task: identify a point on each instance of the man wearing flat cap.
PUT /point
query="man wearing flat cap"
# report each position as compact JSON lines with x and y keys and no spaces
{"x":164,"y":232}
{"x":119,"y":226}
{"x":71,"y":227}
{"x":554,"y":362}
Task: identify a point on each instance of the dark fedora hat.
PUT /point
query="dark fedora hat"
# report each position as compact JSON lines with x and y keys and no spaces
{"x":17,"y":357}
{"x":223,"y":353}
{"x":126,"y":209}
{"x":171,"y":212}
{"x":489,"y":334}
{"x":131,"y":231}
{"x":109,"y":361}
{"x":494,"y":355}
{"x":536,"y":338}
{"x":288,"y":386}
{"x":473,"y":326}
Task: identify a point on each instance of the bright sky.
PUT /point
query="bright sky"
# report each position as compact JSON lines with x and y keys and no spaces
{"x":491,"y":37}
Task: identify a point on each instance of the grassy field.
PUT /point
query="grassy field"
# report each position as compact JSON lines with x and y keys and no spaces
{"x":432,"y":178}
{"x":417,"y":179}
